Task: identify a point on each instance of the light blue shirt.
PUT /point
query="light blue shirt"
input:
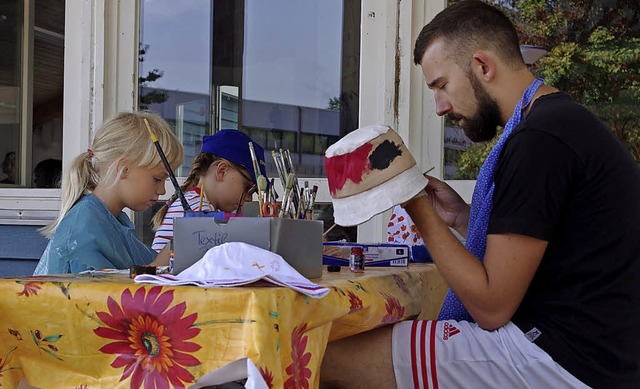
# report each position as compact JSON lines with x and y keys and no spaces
{"x":91,"y":238}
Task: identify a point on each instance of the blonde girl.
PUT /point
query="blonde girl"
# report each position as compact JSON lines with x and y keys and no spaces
{"x":121,"y":169}
{"x":225,"y":170}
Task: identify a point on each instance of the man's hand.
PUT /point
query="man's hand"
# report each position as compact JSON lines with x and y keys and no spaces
{"x":448,"y":205}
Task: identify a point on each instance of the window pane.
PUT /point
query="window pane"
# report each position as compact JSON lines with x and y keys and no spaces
{"x":177,"y":86}
{"x":48,"y":81}
{"x":300,"y":75}
{"x":10,"y":81}
{"x":285,"y":72}
{"x":282,"y":66}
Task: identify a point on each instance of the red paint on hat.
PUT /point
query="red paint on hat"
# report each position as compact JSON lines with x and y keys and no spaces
{"x":351,"y":166}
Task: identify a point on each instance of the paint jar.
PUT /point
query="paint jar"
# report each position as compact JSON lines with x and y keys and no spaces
{"x":356,"y":260}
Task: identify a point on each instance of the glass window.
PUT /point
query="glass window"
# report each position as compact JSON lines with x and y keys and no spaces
{"x":11,"y":14}
{"x":48,"y":88}
{"x":44,"y":88}
{"x":285,"y":72}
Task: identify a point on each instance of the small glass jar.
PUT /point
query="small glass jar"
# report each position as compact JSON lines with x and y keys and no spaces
{"x":356,"y":260}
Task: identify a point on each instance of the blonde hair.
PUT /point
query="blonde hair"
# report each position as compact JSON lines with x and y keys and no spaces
{"x":200,"y":166}
{"x":123,"y":136}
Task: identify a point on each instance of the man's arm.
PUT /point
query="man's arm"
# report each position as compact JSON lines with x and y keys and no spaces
{"x":491,"y":291}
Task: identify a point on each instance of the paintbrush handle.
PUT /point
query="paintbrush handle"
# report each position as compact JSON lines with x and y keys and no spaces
{"x":174,"y":181}
{"x":176,"y":186}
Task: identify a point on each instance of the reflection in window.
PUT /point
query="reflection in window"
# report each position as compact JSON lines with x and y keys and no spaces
{"x":45,"y":88}
{"x":10,"y":81}
{"x":286,"y":72}
{"x":283,"y":71}
{"x":48,"y":89}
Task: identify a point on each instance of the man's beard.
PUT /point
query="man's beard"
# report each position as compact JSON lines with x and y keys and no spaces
{"x":482,"y":126}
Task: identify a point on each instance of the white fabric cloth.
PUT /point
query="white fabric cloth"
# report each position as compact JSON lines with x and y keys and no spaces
{"x":355,"y":139}
{"x":233,"y":371}
{"x":236,"y":264}
{"x":459,"y":354}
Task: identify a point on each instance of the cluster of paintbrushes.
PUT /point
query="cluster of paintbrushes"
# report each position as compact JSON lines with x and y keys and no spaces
{"x":297,"y":203}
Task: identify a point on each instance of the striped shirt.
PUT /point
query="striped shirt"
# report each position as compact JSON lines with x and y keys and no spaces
{"x":165,"y":232}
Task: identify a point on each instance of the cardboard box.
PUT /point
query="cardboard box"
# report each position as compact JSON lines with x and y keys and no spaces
{"x":375,"y":254}
{"x":299,"y":242}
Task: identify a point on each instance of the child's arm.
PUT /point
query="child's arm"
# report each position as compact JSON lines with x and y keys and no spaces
{"x":162,"y":259}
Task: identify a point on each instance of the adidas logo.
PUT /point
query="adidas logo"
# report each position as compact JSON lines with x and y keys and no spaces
{"x":449,"y":331}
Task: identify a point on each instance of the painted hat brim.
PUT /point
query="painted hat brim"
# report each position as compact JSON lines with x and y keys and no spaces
{"x":359,"y":208}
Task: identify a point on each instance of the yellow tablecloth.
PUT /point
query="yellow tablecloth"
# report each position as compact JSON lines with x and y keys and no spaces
{"x":104,"y":331}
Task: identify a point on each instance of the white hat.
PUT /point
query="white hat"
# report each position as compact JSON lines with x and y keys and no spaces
{"x":369,"y":171}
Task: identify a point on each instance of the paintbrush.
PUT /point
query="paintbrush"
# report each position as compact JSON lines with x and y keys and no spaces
{"x":154,"y":139}
{"x":201,"y":197}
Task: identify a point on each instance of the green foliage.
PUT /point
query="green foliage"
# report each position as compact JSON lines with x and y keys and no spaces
{"x":594,"y":55}
{"x":153,"y":97}
{"x":334,"y":103}
{"x":472,"y":158}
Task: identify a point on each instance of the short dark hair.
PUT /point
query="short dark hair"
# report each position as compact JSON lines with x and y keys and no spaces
{"x":48,"y":172}
{"x":467,"y":26}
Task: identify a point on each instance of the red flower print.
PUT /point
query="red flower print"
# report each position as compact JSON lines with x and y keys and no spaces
{"x":354,"y":300}
{"x":401,"y":218}
{"x":298,"y":371}
{"x":405,"y":235}
{"x":390,"y":239}
{"x":268,"y":377}
{"x":150,"y":338}
{"x":401,"y":284}
{"x":395,"y":311}
{"x":30,"y":288}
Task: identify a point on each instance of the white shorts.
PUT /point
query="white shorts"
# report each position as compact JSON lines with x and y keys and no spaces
{"x":451,"y":354}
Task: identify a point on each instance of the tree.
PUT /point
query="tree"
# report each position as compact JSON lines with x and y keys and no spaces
{"x":334,"y":104}
{"x":594,"y":55}
{"x":154,"y":96}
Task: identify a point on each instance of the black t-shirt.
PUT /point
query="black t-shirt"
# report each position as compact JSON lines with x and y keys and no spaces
{"x":563,"y":177}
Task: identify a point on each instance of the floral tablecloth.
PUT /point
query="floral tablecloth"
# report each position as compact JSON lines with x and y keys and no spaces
{"x":104,"y":331}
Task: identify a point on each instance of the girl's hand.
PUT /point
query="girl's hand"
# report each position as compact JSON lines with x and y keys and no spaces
{"x":162,"y":259}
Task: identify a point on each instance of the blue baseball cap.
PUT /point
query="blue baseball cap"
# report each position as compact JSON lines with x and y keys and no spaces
{"x":233,"y":145}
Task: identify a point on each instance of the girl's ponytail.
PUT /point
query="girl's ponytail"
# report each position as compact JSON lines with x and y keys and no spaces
{"x":79,"y":179}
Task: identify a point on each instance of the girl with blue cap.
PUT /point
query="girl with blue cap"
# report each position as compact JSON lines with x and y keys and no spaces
{"x":121,"y":169}
{"x":224,"y":170}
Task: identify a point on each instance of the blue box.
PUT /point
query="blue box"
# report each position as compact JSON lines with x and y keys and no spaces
{"x":375,"y":254}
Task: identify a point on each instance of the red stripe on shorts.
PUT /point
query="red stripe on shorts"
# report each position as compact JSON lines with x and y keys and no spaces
{"x":414,"y":363}
{"x":423,"y":353}
{"x":432,"y":355}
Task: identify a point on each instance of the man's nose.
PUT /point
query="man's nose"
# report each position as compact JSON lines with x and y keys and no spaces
{"x":442,"y":105}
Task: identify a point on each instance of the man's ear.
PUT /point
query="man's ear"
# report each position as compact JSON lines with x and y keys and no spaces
{"x":483,"y":65}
